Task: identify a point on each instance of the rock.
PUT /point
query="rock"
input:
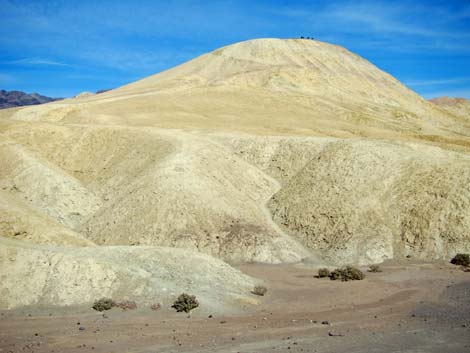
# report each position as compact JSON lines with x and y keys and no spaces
{"x":332,"y":334}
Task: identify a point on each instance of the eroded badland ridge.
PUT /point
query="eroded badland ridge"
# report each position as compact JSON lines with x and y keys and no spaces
{"x":268,"y":150}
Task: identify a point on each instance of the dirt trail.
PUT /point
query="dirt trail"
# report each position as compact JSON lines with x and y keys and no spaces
{"x":313,"y":257}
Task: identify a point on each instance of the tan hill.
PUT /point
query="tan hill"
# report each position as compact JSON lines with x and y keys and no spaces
{"x":63,"y":276}
{"x":268,"y":150}
{"x":457,"y":106}
{"x":269,"y":86}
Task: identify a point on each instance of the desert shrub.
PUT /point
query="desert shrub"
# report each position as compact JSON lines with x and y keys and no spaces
{"x":127,"y":305}
{"x":259,"y":290}
{"x":461,"y":260}
{"x":323,"y":272}
{"x":347,"y":273}
{"x":185,"y":302}
{"x":374,"y":268}
{"x":104,"y":304}
{"x":336,"y":274}
{"x":155,"y":306}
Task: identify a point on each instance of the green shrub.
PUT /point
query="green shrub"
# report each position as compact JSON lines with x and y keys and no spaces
{"x":185,"y":302}
{"x":374,"y":268}
{"x":347,"y":273}
{"x":461,"y":260}
{"x":104,"y":304}
{"x":259,"y":290}
{"x":336,"y":274}
{"x":323,"y":272}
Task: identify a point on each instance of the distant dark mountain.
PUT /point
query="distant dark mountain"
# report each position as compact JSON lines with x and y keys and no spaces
{"x":103,"y":90}
{"x":9,"y":99}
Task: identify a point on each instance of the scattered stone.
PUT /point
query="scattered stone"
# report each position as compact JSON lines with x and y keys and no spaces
{"x":334,"y":334}
{"x":81,"y":328}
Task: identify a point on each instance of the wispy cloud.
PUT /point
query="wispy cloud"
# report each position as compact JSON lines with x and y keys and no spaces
{"x":387,"y":19}
{"x":37,"y":61}
{"x":113,"y":41}
{"x":437,"y":82}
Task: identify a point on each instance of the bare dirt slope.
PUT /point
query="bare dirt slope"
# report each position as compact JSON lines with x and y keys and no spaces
{"x":268,"y":150}
{"x":457,"y":106}
{"x":45,"y":275}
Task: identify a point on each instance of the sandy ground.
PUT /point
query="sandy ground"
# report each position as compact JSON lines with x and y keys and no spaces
{"x":409,"y":307}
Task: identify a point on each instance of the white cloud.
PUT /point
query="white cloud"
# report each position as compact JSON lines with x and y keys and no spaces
{"x":37,"y":61}
{"x":384,"y":18}
{"x":437,"y":82}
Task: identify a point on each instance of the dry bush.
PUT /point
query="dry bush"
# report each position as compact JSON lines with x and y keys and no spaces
{"x":259,"y":290}
{"x":104,"y":304}
{"x":347,"y":273}
{"x":323,"y":272}
{"x":461,"y":260}
{"x":186,"y":303}
{"x":374,"y":268}
{"x":155,"y":306}
{"x":127,"y":305}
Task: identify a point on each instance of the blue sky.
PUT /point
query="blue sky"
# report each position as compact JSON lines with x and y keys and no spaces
{"x":61,"y":48}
